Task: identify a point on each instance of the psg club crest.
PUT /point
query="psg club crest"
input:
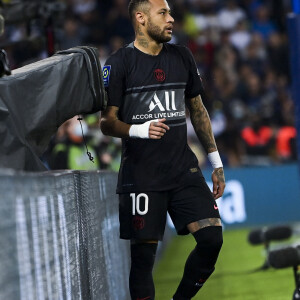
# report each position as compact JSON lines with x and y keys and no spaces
{"x":138,"y":223}
{"x":159,"y":75}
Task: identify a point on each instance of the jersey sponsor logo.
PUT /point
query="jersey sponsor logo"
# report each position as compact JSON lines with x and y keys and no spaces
{"x":159,"y":75}
{"x":157,"y":103}
{"x":162,"y":104}
{"x":106,"y":74}
{"x":176,"y":114}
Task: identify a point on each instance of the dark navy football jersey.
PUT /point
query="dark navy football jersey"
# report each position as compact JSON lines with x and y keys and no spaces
{"x":147,"y":87}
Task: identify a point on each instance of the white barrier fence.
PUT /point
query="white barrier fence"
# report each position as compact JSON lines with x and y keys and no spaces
{"x":59,"y":237}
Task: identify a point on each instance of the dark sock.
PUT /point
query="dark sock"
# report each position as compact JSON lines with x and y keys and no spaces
{"x":140,"y":280}
{"x":201,"y":262}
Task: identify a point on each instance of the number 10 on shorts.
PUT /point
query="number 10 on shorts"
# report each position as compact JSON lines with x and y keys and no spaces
{"x":136,"y":203}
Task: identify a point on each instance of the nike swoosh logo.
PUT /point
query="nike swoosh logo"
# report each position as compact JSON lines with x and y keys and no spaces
{"x":215,"y":206}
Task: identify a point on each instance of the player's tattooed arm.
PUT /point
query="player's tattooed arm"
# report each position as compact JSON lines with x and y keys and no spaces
{"x":111,"y":125}
{"x":201,"y":123}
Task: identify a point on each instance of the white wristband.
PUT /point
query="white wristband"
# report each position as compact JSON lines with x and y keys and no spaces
{"x":140,"y":130}
{"x":215,"y":159}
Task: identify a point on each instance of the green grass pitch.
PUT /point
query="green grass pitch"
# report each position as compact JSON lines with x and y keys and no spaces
{"x":234,"y":278}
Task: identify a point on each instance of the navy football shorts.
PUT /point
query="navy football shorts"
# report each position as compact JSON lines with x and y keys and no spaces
{"x":143,"y":215}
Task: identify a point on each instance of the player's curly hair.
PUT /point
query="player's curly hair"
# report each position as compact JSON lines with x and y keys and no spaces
{"x":134,"y":5}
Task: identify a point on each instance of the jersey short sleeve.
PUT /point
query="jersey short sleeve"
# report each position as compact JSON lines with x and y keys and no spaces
{"x":194,"y":85}
{"x":114,"y":79}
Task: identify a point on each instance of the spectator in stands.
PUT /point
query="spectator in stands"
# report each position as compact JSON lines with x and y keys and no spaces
{"x":253,"y":92}
{"x":286,"y":143}
{"x":259,"y":141}
{"x":118,"y":22}
{"x":230,"y":15}
{"x":262,"y":22}
{"x":240,"y":36}
{"x":277,"y":51}
{"x":71,"y":152}
{"x":254,"y":56}
{"x":70,"y":35}
{"x":109,"y":151}
{"x":81,"y":7}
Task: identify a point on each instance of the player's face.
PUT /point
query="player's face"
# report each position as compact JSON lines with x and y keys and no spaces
{"x":160,"y":21}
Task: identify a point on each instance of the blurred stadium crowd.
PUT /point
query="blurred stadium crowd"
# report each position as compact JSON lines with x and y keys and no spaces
{"x":240,"y":47}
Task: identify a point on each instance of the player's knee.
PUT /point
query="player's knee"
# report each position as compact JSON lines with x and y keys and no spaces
{"x":209,"y":240}
{"x":143,"y":255}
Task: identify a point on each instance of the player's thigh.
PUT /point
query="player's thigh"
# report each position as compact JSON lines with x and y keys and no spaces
{"x":143,"y":215}
{"x":192,"y":204}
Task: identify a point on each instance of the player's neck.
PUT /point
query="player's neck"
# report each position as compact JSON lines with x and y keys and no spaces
{"x":147,"y":45}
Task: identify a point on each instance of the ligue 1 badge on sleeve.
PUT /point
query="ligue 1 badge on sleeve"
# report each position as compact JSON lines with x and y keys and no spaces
{"x":106,"y":74}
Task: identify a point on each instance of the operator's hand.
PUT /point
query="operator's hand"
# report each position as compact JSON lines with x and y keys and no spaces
{"x":218,"y":180}
{"x":157,"y":129}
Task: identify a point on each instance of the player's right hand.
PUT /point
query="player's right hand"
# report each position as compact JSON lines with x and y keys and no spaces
{"x":157,"y":129}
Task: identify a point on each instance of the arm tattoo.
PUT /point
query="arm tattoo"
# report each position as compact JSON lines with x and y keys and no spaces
{"x":201,"y":123}
{"x":220,"y":174}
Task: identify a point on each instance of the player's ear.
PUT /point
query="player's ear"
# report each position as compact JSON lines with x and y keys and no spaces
{"x":140,"y":17}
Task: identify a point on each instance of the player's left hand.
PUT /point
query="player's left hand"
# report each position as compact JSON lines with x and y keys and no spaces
{"x":218,"y":180}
